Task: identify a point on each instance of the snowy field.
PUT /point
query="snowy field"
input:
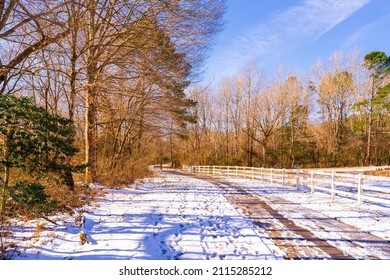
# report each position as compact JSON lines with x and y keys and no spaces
{"x":174,"y":216}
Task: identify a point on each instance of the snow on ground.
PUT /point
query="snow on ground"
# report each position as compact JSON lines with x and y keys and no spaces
{"x":172,"y":217}
{"x":371,"y":217}
{"x":175,"y":216}
{"x":340,"y":222}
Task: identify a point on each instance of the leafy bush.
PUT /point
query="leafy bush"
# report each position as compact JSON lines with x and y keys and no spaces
{"x":33,"y":197}
{"x":36,"y":143}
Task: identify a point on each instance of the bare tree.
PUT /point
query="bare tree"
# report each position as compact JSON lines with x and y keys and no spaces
{"x":25,"y":28}
{"x":253,"y":81}
{"x":121,"y":25}
{"x":335,"y":89}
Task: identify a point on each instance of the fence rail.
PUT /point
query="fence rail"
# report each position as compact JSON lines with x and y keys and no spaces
{"x":352,"y":184}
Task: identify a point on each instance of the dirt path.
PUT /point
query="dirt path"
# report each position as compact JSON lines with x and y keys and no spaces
{"x":171,"y":217}
{"x":180,"y":216}
{"x":300,"y":232}
{"x":222,"y":234}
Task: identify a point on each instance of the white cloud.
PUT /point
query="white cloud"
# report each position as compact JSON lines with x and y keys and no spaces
{"x":287,"y":31}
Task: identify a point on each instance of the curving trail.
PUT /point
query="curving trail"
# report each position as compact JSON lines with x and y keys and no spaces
{"x":180,"y":216}
{"x":302,"y":233}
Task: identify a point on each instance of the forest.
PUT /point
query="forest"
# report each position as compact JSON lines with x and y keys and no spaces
{"x":335,"y":116}
{"x":99,"y":90}
{"x":89,"y":89}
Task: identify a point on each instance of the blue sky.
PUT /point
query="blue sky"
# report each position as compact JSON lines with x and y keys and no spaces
{"x":296,"y":33}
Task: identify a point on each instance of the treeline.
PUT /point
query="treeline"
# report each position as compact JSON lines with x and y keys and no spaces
{"x":337,"y":116}
{"x":112,"y":78}
{"x":89,"y":89}
{"x":117,"y":69}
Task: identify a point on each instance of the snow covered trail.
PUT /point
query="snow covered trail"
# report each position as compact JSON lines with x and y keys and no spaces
{"x":172,"y":217}
{"x":180,"y":216}
{"x":309,"y":226}
{"x":304,"y":233}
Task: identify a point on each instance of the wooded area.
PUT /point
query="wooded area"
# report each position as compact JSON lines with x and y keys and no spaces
{"x":89,"y":89}
{"x":337,"y":116}
{"x":117,"y":69}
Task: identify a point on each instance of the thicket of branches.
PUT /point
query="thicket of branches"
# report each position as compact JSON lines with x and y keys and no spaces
{"x":117,"y":69}
{"x":89,"y":89}
{"x":337,"y":116}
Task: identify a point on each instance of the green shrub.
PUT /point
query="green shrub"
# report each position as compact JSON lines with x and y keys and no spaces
{"x":32,"y":196}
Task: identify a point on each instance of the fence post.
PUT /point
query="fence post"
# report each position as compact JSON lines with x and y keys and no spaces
{"x":333,"y":186}
{"x":297,"y":178}
{"x":283,"y":177}
{"x":272,"y":179}
{"x":236,"y":171}
{"x":252,"y":172}
{"x":360,"y":189}
{"x":312,"y":182}
{"x":228,"y":170}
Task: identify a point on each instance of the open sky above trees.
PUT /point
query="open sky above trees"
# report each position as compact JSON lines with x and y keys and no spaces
{"x":296,"y":33}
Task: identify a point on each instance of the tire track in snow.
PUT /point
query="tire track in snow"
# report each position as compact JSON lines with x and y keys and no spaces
{"x":295,"y":241}
{"x":293,"y":237}
{"x":346,"y":237}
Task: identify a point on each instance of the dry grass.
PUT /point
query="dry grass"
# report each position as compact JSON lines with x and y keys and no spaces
{"x":81,"y":195}
{"x":65,"y":199}
{"x":128,"y":175}
{"x":40,"y":227}
{"x":384,"y":173}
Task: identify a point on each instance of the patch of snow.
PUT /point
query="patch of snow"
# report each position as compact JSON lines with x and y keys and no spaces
{"x":169,"y":217}
{"x":175,"y":216}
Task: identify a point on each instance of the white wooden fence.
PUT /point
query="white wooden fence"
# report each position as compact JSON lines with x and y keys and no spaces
{"x":352,"y":184}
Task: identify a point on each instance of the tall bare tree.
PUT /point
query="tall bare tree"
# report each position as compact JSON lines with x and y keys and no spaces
{"x":25,"y":28}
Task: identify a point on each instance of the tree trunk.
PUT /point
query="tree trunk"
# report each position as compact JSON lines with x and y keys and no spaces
{"x":91,"y":99}
{"x":90,"y":135}
{"x":292,"y":143}
{"x":264,"y":155}
{"x":367,"y":160}
{"x":4,"y":184}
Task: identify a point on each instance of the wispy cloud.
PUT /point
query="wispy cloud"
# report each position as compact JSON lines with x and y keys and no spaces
{"x":285,"y":32}
{"x":367,"y":31}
